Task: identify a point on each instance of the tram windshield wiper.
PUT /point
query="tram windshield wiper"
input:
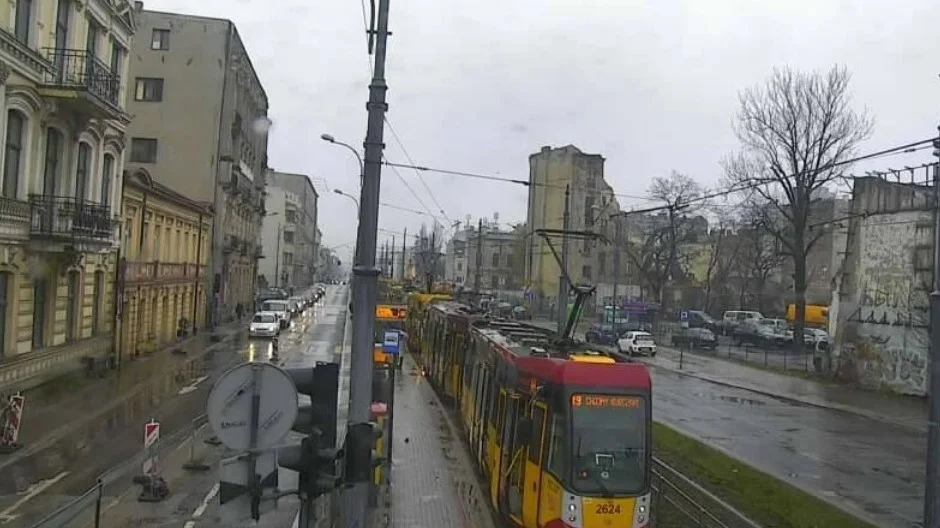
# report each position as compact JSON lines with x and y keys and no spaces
{"x":605,"y":491}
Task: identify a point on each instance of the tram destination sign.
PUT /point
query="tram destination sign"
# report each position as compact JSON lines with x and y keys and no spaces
{"x":606,"y":400}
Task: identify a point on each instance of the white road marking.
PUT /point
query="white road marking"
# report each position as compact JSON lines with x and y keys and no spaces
{"x":41,"y":486}
{"x":192,"y":386}
{"x":202,"y":507}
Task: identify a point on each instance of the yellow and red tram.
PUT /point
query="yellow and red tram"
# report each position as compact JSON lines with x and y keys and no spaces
{"x":562,"y":436}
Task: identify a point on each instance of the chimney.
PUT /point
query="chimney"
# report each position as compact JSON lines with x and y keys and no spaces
{"x":546,"y":148}
{"x":138,"y":6}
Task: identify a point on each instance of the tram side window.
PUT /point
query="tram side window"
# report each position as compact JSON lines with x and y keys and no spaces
{"x":556,"y":446}
{"x":535,"y":445}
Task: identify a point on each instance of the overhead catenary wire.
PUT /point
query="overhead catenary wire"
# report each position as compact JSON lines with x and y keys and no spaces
{"x":420,"y":177}
{"x":901,"y":149}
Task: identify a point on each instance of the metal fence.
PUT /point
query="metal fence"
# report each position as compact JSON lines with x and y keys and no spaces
{"x":680,"y":502}
{"x":89,"y":508}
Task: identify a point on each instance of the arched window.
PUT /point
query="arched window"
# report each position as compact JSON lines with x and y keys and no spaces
{"x":13,"y":154}
{"x":82,"y":167}
{"x":53,"y":163}
{"x":107,"y":175}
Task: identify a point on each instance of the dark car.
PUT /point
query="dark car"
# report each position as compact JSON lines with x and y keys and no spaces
{"x":699,"y":319}
{"x":696,"y":338}
{"x":602,"y":334}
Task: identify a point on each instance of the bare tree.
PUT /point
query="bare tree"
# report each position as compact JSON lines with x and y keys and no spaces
{"x":797,"y":131}
{"x":657,"y":258}
{"x":724,"y":248}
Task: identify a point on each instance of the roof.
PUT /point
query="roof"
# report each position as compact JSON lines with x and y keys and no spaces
{"x":141,"y":180}
{"x":531,"y":350}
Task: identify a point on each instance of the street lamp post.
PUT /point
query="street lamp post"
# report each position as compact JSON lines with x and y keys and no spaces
{"x":362,"y":168}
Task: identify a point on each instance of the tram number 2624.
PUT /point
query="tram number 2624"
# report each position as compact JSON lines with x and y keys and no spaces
{"x":608,"y":508}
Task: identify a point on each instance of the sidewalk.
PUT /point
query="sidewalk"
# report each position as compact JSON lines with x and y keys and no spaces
{"x":47,"y":419}
{"x":907,"y":412}
{"x":433,"y":481}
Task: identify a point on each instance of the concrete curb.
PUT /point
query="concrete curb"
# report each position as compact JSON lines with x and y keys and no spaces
{"x":861,"y":515}
{"x":795,"y":399}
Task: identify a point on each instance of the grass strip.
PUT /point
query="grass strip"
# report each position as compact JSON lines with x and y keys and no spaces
{"x":767,"y":500}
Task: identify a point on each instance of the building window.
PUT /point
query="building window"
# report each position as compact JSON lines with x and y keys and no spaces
{"x":495,"y":260}
{"x":24,"y":19}
{"x":143,"y":150}
{"x":62,"y":28}
{"x":50,"y":173}
{"x":107,"y":175}
{"x":82,"y":166}
{"x":148,"y":89}
{"x":290,"y":216}
{"x":5,"y":288}
{"x":288,"y":237}
{"x":160,"y":40}
{"x":117,"y":56}
{"x":586,"y":273}
{"x":91,"y":43}
{"x":40,"y":311}
{"x":13,"y":156}
{"x":96,"y":305}
{"x":72,"y":309}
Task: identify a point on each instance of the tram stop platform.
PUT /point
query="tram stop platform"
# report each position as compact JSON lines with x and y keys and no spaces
{"x":433,"y":483}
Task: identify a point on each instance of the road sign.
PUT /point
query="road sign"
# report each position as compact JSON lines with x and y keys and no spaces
{"x":151,"y":435}
{"x":234,"y":496}
{"x":230,"y":404}
{"x":390,"y":343}
{"x":684,"y":316}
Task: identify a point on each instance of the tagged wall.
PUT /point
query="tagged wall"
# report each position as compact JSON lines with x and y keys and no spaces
{"x":882,"y":338}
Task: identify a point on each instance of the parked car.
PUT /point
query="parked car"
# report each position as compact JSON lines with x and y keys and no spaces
{"x":699,"y":319}
{"x":733,"y":318}
{"x":281,"y":308}
{"x":299,"y":304}
{"x":755,"y":333}
{"x":602,"y":334}
{"x":264,"y":324}
{"x":696,"y":338}
{"x":520,"y":313}
{"x":632,"y":343}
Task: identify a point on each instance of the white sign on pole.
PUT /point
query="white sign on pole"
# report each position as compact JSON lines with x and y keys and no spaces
{"x":234,"y":499}
{"x":151,"y":435}
{"x":229,"y":406}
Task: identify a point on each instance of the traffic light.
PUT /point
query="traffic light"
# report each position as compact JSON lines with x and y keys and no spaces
{"x":316,"y":456}
{"x":360,"y":455}
{"x":321,"y":384}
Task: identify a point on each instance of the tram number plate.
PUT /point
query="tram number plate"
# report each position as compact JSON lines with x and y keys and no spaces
{"x":608,"y":508}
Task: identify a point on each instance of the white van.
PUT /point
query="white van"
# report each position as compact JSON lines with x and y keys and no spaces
{"x":280,"y":307}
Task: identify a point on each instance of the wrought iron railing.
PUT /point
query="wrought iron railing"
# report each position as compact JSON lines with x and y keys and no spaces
{"x":15,"y":210}
{"x":68,"y":218}
{"x":146,"y":271}
{"x":79,"y":69}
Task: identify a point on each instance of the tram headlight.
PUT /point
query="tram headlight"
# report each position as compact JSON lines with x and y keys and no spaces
{"x":572,"y":507}
{"x":641,"y":512}
{"x":571,"y":504}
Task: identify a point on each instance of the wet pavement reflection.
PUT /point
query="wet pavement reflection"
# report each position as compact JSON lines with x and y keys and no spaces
{"x":870,"y":468}
{"x":48,"y":474}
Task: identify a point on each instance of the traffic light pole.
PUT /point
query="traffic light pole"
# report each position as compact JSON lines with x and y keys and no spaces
{"x":356,"y":496}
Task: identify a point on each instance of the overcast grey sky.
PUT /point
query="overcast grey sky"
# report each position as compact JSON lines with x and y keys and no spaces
{"x":478,"y":86}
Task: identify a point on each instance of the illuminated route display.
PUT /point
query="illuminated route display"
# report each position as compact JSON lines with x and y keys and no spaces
{"x":606,"y":400}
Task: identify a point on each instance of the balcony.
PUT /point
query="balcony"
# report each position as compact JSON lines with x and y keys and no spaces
{"x":137,"y":272}
{"x":14,"y":218}
{"x":232,"y":244}
{"x":65,"y":220}
{"x":84,"y":83}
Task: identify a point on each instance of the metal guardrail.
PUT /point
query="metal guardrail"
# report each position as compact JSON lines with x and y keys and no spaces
{"x":78,"y":511}
{"x":679,"y":501}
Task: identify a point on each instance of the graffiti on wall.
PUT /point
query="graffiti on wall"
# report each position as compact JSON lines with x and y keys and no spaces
{"x":891,"y":324}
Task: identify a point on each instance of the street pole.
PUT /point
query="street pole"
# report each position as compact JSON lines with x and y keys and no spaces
{"x":404,"y":251}
{"x":562,"y":304}
{"x":391,"y":270}
{"x":617,"y":218}
{"x":277,"y":258}
{"x":356,"y":496}
{"x":478,"y":258}
{"x":932,"y":492}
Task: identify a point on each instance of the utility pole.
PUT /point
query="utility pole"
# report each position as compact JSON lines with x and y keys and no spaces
{"x":391,"y":270}
{"x":932,"y":493}
{"x":277,"y":258}
{"x":430,"y":262}
{"x":358,"y":448}
{"x":562,"y":303}
{"x":619,"y":219}
{"x":404,"y":252}
{"x":478,"y":258}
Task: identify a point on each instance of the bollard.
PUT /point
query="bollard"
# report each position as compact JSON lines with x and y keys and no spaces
{"x":194,"y":464}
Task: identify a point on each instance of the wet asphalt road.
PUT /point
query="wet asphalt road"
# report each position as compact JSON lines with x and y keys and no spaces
{"x":871,"y":468}
{"x":315,"y":336}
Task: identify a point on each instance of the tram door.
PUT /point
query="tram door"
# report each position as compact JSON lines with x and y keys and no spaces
{"x":513,"y":459}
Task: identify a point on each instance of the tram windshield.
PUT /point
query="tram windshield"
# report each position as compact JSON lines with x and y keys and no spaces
{"x":609,"y":444}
